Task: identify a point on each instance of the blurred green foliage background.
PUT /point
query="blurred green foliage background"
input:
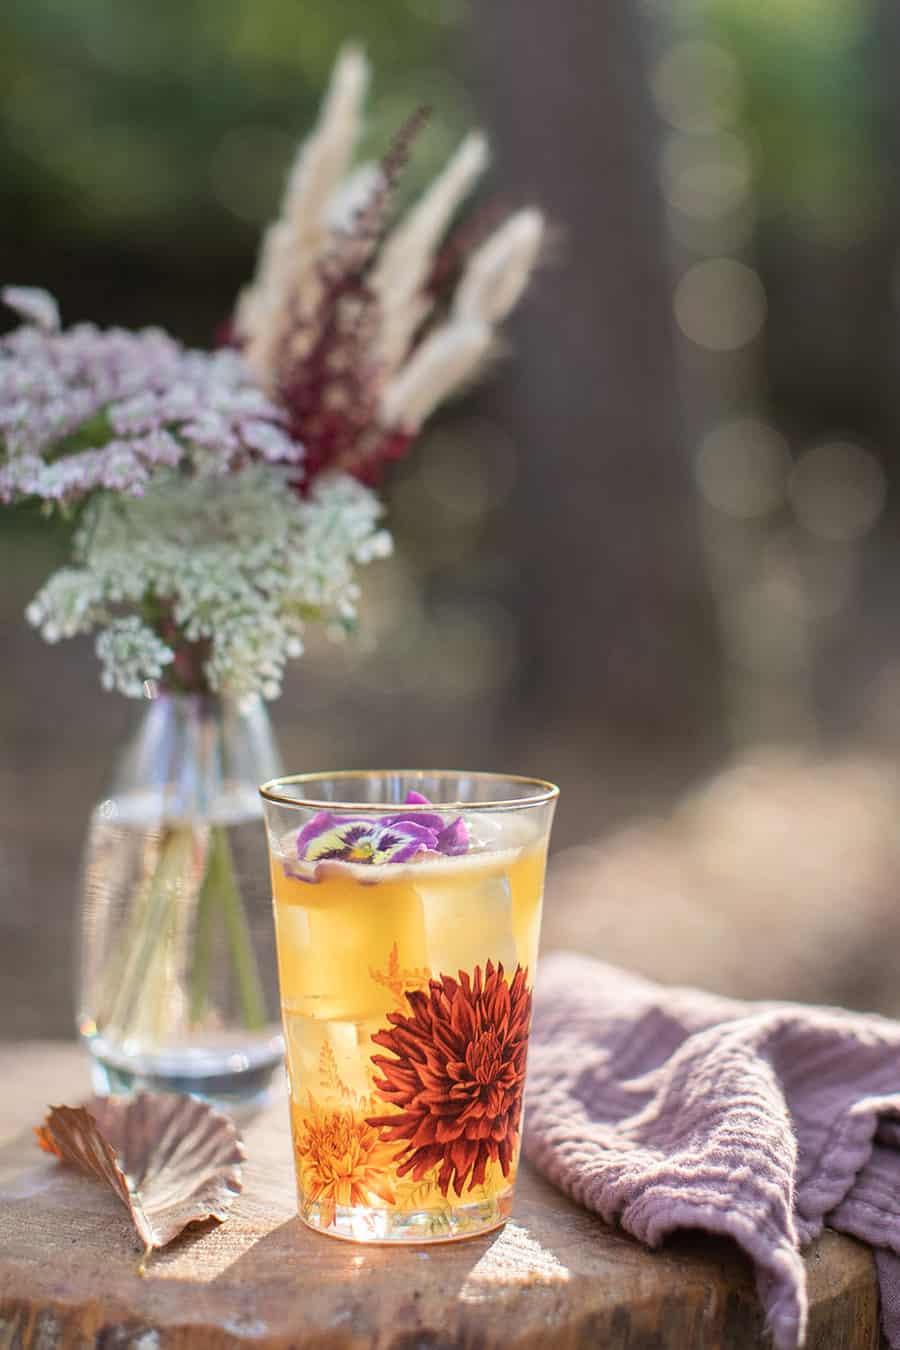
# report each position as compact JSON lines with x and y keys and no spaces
{"x":145,"y":145}
{"x":639,"y":520}
{"x":813,"y":110}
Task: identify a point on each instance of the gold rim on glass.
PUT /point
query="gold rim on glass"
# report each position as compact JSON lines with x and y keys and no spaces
{"x":544,"y":791}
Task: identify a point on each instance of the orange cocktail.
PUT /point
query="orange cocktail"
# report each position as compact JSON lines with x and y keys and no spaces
{"x":407,"y":940}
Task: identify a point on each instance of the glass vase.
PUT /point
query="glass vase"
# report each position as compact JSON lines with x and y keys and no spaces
{"x":178,"y":986}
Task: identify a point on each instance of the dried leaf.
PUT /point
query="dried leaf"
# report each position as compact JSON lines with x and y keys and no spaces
{"x":171,"y":1160}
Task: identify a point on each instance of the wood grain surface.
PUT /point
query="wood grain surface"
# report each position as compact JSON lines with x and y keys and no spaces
{"x":554,"y":1277}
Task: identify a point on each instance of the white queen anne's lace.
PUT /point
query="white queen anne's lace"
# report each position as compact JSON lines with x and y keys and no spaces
{"x":130,"y":653}
{"x":240,"y":563}
{"x":195,"y":556}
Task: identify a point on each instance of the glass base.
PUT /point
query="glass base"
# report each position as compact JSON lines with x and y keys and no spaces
{"x":234,"y":1081}
{"x":362,"y":1223}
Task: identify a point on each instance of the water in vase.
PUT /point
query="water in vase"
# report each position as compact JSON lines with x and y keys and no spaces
{"x":177,"y":960}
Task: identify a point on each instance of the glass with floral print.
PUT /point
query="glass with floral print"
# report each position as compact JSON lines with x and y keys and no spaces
{"x":407,"y":914}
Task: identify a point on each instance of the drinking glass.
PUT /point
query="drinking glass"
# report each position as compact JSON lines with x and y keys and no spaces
{"x":407,"y":916}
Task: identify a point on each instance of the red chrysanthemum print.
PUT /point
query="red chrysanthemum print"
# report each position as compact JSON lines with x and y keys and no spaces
{"x":456,"y":1076}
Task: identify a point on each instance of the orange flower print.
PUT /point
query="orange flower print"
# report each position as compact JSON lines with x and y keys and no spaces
{"x":340,"y":1159}
{"x":456,"y":1076}
{"x":398,"y":980}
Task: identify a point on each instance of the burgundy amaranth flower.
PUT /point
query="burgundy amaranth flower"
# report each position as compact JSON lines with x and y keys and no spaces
{"x":394,"y":838}
{"x":329,"y":375}
{"x":457,"y":1076}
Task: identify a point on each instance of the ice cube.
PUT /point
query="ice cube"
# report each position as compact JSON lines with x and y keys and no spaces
{"x":484,"y":832}
{"x":343,"y":959}
{"x":330,"y":1060}
{"x":468,"y":916}
{"x":526,"y":879}
{"x":303,"y":1043}
{"x":292,"y":934}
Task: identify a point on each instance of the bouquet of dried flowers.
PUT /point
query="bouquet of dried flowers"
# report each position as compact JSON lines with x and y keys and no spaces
{"x":224,"y":500}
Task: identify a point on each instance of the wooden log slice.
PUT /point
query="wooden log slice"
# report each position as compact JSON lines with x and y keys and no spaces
{"x":554,"y":1278}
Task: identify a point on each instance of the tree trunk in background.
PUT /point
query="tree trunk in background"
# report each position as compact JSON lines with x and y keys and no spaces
{"x":833,"y":339}
{"x":620,"y":638}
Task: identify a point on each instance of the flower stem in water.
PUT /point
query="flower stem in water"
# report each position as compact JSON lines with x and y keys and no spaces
{"x":144,"y":965}
{"x":203,"y":940}
{"x":222,"y":881}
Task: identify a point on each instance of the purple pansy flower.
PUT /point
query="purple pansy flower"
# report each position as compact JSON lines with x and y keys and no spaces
{"x":452,"y":839}
{"x":430,"y":819}
{"x":396,"y":838}
{"x":331,"y":838}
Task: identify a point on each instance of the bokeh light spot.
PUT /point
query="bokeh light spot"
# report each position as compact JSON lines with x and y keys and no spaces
{"x":838,"y":491}
{"x":720,"y":304}
{"x":742,"y":467}
{"x":706,"y":176}
{"x":697,"y":86}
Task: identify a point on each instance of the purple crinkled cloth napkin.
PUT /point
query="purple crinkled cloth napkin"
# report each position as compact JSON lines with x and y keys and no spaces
{"x":663,"y":1108}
